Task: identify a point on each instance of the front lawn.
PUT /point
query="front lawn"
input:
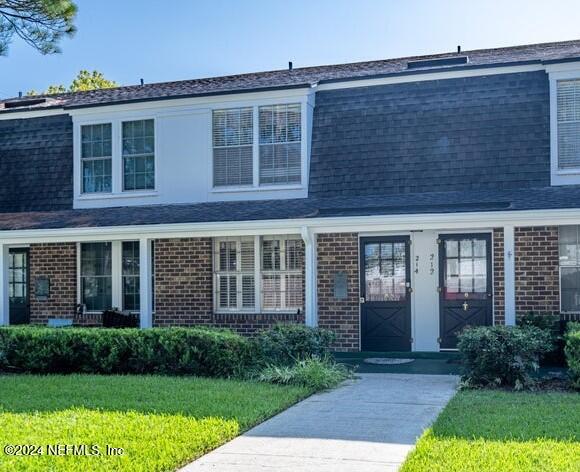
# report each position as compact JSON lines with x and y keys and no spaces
{"x":160,"y":422}
{"x":499,"y":431}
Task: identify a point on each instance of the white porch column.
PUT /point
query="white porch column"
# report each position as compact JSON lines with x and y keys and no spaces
{"x":509,"y":275}
{"x":4,"y":300}
{"x":311,"y":306}
{"x":145,"y":288}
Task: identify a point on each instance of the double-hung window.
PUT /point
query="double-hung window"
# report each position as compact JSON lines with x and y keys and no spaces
{"x":96,"y":158}
{"x":257,"y":146}
{"x":258,"y":274}
{"x":280,"y":144}
{"x":569,"y":244}
{"x":120,"y":147}
{"x":138,"y":155}
{"x":233,"y":138}
{"x":568,"y":113}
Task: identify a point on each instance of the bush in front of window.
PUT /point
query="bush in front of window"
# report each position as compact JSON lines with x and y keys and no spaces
{"x":502,"y":356}
{"x":314,"y":373}
{"x":284,"y":344}
{"x":178,"y":351}
{"x":552,"y":325}
{"x":572,"y":351}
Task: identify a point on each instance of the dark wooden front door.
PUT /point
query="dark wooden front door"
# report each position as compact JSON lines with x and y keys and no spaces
{"x":18,"y":286}
{"x":465,"y":284}
{"x":385,"y":294}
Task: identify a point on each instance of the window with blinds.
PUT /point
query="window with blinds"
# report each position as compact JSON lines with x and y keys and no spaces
{"x":234,"y":269}
{"x":233,"y":138}
{"x":273,"y":269}
{"x":280,"y":148}
{"x":568,"y":112}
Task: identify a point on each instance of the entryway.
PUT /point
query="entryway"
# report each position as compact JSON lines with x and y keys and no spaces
{"x":367,"y":424}
{"x":418,"y":290}
{"x":385,"y":290}
{"x":18,"y":286}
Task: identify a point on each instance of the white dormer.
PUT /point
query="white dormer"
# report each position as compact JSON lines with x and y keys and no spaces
{"x":230,"y":147}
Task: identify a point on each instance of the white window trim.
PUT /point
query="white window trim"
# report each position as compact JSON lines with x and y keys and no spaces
{"x":560,"y":176}
{"x":116,"y":274}
{"x":560,"y":267}
{"x":305,"y":106}
{"x":116,"y":158}
{"x":257,"y":275}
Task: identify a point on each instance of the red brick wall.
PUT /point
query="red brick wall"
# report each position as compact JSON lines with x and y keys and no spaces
{"x":249,"y":324}
{"x":58,"y":262}
{"x":339,"y":253}
{"x":537,"y":274}
{"x":183,"y":282}
{"x":498,"y":277}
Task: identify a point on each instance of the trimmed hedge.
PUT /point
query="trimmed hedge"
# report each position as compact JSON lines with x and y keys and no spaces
{"x":572,"y":351}
{"x":284,"y":344}
{"x":193,"y":351}
{"x":502,"y":355}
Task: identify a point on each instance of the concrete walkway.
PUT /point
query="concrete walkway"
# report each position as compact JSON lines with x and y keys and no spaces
{"x":369,"y":424}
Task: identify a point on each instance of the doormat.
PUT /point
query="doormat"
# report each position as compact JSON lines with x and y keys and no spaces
{"x":386,"y":361}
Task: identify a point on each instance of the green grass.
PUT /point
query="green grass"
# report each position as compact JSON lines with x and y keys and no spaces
{"x":160,"y":422}
{"x":502,"y":431}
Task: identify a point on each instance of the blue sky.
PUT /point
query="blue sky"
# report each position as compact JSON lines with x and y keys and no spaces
{"x":183,"y":39}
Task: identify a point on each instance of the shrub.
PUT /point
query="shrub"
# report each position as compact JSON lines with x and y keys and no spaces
{"x":551,"y":324}
{"x":286,"y":343}
{"x":197,"y":351}
{"x":572,"y":351}
{"x":501,"y":355}
{"x":314,"y":373}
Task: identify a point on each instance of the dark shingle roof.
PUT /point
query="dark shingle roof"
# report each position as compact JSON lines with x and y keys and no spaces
{"x":420,"y":203}
{"x":535,"y":53}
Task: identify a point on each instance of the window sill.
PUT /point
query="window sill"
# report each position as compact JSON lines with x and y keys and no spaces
{"x":266,"y":313}
{"x":127,"y":194}
{"x":261,"y":188}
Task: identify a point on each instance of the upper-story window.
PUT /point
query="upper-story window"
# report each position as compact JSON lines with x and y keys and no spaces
{"x":275,"y":150}
{"x":280,"y":148}
{"x":233,"y":138}
{"x":568,"y":106}
{"x":96,"y":158}
{"x":117,"y":157}
{"x":138,"y":155}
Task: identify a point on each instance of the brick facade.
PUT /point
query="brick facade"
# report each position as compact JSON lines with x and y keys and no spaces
{"x":339,"y":253}
{"x":184,"y":290}
{"x":58,"y":262}
{"x":249,"y":324}
{"x":183,"y":282}
{"x":537,"y":270}
{"x":498,"y":278}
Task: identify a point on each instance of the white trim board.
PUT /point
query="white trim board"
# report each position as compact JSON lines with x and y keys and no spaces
{"x":474,"y":221}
